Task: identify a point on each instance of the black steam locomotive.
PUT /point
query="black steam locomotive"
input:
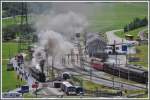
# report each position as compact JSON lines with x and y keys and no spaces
{"x":130,"y":72}
{"x":38,"y":75}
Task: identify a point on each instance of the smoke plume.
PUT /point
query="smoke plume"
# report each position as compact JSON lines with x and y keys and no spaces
{"x":54,"y":33}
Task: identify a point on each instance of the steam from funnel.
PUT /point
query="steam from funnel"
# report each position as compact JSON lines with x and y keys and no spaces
{"x":54,"y":43}
{"x":38,"y":55}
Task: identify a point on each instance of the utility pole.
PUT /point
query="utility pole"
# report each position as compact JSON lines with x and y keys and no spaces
{"x":72,"y":57}
{"x":113,"y":76}
{"x":68,"y":58}
{"x":47,"y":62}
{"x":53,"y":58}
{"x":127,"y":64}
{"x":9,"y":54}
{"x":24,"y":26}
{"x":119,"y":74}
{"x":81,"y":56}
{"x":80,"y":50}
{"x":114,"y":65}
{"x":91,"y":67}
{"x":77,"y":58}
{"x":90,"y":74}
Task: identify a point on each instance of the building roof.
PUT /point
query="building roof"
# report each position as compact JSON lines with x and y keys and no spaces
{"x":92,"y":37}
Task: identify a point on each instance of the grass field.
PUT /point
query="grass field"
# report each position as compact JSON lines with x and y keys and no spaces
{"x":105,"y":16}
{"x":143,"y":55}
{"x":11,"y":21}
{"x":7,"y":47}
{"x":134,"y":32}
{"x":9,"y":78}
{"x":109,"y":16}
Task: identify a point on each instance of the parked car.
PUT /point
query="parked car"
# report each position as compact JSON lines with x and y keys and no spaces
{"x":12,"y":95}
{"x":132,"y":43}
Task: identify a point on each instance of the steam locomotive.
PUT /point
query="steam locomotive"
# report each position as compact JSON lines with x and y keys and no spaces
{"x":130,"y":72}
{"x":66,"y":75}
{"x":38,"y":75}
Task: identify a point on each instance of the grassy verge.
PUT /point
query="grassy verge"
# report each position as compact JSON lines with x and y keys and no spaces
{"x":89,"y":85}
{"x":9,"y":78}
{"x":132,"y":92}
{"x":29,"y":95}
{"x":9,"y":49}
{"x":11,"y":21}
{"x":134,"y":32}
{"x":143,"y":55}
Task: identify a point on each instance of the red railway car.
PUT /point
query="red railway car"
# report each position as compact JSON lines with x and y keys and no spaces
{"x":97,"y":63}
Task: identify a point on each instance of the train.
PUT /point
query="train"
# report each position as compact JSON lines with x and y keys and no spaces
{"x":38,"y":75}
{"x":130,"y":72}
{"x":70,"y":89}
{"x":66,"y":75}
{"x":96,"y":63}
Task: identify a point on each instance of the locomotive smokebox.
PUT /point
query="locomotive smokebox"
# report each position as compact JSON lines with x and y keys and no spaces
{"x":42,"y":65}
{"x":77,"y":35}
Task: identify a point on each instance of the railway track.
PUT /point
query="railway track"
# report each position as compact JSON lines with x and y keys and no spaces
{"x":85,"y":73}
{"x":100,"y":80}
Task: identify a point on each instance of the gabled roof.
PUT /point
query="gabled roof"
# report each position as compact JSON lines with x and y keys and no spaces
{"x":92,"y":37}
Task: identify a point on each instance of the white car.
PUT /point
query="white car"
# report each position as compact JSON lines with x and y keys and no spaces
{"x":132,"y":43}
{"x":12,"y":95}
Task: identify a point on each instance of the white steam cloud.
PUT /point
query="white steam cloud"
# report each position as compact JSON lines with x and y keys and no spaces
{"x":54,"y":33}
{"x":66,"y":24}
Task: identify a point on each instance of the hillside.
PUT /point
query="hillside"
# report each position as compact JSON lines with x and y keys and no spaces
{"x":134,"y":32}
{"x":109,"y":16}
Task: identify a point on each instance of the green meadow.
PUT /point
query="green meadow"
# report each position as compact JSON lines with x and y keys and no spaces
{"x":108,"y":16}
{"x":9,"y":78}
